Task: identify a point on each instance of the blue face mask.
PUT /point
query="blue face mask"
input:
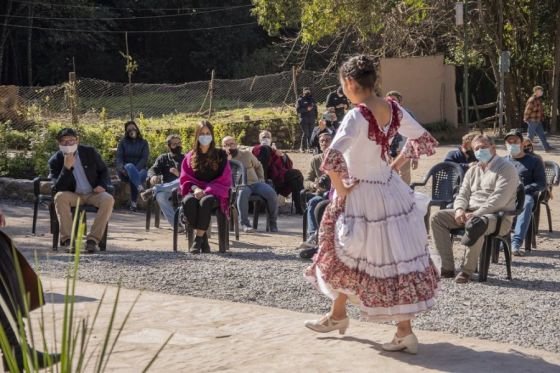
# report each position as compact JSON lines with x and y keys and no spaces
{"x":483,"y":155}
{"x":513,"y":149}
{"x":205,"y":140}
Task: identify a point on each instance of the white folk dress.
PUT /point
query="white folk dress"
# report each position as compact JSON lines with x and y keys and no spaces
{"x":373,"y":244}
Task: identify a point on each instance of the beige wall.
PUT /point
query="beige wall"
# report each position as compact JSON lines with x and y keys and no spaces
{"x":427,"y":86}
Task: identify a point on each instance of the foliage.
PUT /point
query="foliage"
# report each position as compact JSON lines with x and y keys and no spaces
{"x":243,"y":124}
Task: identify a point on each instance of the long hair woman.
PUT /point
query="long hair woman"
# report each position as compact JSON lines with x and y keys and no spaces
{"x":205,"y":182}
{"x":373,"y":245}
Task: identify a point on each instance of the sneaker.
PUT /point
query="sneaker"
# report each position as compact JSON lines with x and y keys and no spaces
{"x":273,"y":228}
{"x":140,"y":188}
{"x":65,"y":245}
{"x":516,"y":252}
{"x":91,"y":246}
{"x":147,"y":194}
{"x":310,"y":242}
{"x":247,"y":228}
{"x":133,"y":206}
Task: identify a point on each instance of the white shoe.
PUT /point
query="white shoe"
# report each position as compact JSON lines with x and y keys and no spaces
{"x":327,"y":324}
{"x":408,"y":344}
{"x":247,"y":228}
{"x":311,"y":242}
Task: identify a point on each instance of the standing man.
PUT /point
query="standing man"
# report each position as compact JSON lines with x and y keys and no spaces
{"x":398,"y":143}
{"x":167,"y":167}
{"x":306,"y":108}
{"x":531,"y":173}
{"x":338,"y":102}
{"x":255,"y":185}
{"x":534,"y":117}
{"x":78,"y":173}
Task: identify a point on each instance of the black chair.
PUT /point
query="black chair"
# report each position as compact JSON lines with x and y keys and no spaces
{"x":446,"y":182}
{"x":40,"y":199}
{"x":491,"y":247}
{"x":552,"y":171}
{"x":152,"y":206}
{"x":256,"y":200}
{"x":222,"y":219}
{"x":531,"y":236}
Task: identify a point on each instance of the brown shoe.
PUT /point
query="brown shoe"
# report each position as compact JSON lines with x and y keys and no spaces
{"x":462,"y":278}
{"x":447,"y":274}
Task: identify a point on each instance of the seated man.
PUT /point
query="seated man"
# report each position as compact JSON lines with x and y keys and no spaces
{"x":488,"y":187}
{"x":464,"y":155}
{"x":325,"y":126}
{"x":255,"y":185}
{"x":167,"y":168}
{"x":278,"y":167}
{"x":531,"y":173}
{"x":318,"y":183}
{"x":78,"y":173}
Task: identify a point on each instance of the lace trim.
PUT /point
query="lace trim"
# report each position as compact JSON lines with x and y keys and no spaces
{"x":424,"y":145}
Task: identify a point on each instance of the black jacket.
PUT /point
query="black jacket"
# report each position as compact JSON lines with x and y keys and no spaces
{"x":317,"y":131}
{"x":333,"y":100}
{"x":162,"y":165}
{"x":96,"y":171}
{"x":307,"y":116}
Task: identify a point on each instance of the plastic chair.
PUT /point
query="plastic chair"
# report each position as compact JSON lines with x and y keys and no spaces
{"x":446,"y":181}
{"x":490,"y":248}
{"x":222,"y":219}
{"x":552,"y":171}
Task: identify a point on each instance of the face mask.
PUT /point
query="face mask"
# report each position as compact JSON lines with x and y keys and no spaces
{"x":132,"y":134}
{"x":68,"y":149}
{"x":177,"y":150}
{"x":265,"y":141}
{"x":205,"y":140}
{"x":483,"y":155}
{"x":513,"y":149}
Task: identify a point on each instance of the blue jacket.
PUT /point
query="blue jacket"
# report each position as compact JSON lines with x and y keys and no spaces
{"x":135,"y":151}
{"x":457,"y":156}
{"x":531,"y":172}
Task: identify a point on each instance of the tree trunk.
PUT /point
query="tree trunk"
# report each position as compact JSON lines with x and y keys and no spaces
{"x":29,"y":49}
{"x":4,"y":36}
{"x":556,"y":78}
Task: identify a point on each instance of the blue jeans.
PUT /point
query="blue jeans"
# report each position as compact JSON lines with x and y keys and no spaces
{"x":312,"y":224}
{"x":136,"y":178}
{"x":261,"y":189}
{"x":536,"y":128}
{"x":163,"y":194}
{"x":522,"y":223}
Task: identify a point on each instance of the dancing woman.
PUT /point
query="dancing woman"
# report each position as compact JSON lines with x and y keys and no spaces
{"x":373,"y":245}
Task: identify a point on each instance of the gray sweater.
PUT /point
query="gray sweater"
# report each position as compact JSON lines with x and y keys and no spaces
{"x":489,"y":191}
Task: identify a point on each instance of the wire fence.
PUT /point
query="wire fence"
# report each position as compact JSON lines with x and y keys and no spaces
{"x":84,"y":99}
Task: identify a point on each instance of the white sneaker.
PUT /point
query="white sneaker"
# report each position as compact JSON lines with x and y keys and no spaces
{"x":247,"y":228}
{"x":309,"y":243}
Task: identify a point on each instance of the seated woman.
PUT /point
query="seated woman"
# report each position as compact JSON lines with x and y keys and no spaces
{"x":205,"y":182}
{"x":278,"y":167}
{"x":132,"y":159}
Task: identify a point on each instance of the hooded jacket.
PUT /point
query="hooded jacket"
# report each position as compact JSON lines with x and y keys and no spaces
{"x":135,"y":151}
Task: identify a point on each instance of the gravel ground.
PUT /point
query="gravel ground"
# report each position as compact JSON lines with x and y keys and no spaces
{"x":264,"y":269}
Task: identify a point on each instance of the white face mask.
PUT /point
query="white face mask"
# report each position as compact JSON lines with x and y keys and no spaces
{"x":265,"y":141}
{"x":68,"y":149}
{"x":205,"y":140}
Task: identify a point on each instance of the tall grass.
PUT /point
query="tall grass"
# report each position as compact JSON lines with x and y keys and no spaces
{"x":75,"y":349}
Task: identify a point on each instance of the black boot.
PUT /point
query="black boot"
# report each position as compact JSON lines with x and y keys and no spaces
{"x":43,"y":360}
{"x":196,"y":248}
{"x":205,"y":244}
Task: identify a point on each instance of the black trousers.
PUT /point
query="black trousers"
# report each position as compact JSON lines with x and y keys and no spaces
{"x":306,"y":130}
{"x":294,"y":180}
{"x":199,"y":211}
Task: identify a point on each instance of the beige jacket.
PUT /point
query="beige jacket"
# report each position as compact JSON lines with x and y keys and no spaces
{"x":314,"y":172}
{"x":489,"y":191}
{"x":252,"y":165}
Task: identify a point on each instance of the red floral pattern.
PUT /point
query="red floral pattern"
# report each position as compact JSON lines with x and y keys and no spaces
{"x":374,"y":131}
{"x":424,"y":145}
{"x":403,"y":289}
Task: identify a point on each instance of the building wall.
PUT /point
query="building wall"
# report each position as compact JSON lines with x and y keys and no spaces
{"x":427,"y":86}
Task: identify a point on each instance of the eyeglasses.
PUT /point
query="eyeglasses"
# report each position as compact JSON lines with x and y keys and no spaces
{"x":325,"y":141}
{"x":229,"y":145}
{"x":67,"y":142}
{"x":175,"y":144}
